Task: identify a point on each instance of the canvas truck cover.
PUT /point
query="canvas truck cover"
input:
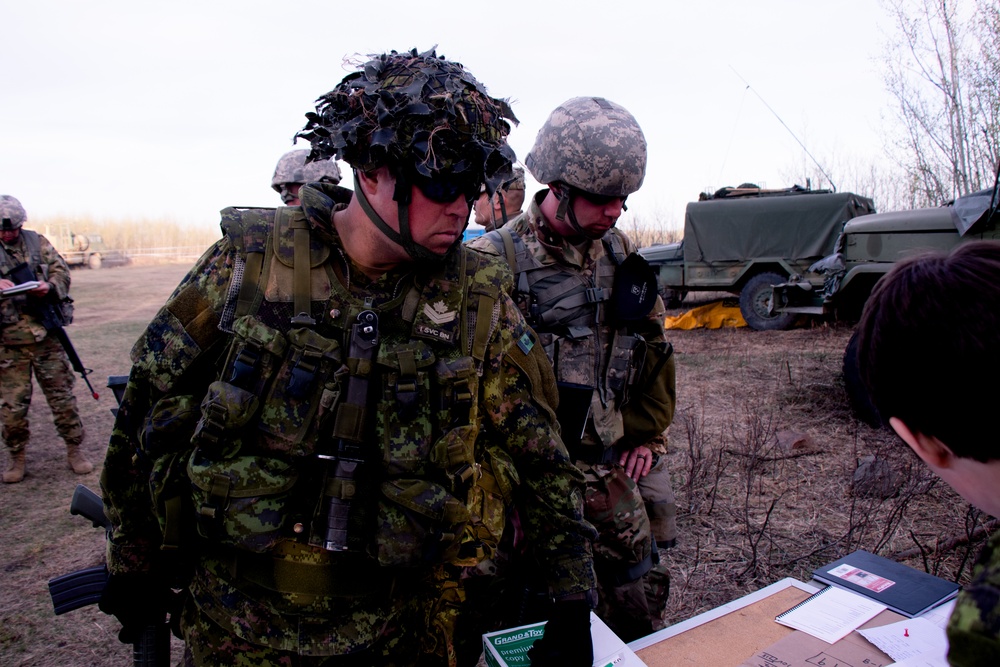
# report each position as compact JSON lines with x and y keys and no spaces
{"x":790,"y":226}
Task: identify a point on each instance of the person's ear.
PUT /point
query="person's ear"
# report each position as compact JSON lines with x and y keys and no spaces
{"x":370,"y":181}
{"x":931,"y":451}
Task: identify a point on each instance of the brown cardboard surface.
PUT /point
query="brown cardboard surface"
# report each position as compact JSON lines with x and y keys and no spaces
{"x":799,"y":649}
{"x":728,"y":640}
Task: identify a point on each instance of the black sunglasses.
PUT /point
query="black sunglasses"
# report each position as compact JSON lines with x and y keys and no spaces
{"x":446,"y":188}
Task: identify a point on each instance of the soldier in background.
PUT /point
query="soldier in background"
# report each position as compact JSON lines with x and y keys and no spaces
{"x":593,"y":302}
{"x":928,"y":347}
{"x":505,"y":204}
{"x":350,"y":401}
{"x":26,"y":349}
{"x":292,"y":172}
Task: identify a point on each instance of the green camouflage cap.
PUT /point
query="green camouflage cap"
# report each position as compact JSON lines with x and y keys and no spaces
{"x":12,"y":214}
{"x":591,"y":144}
{"x":292,"y":168}
{"x":415,"y":113}
{"x":516,"y":183}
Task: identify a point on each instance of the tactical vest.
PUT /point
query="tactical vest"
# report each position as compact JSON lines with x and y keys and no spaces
{"x":320,"y":452}
{"x":570,"y":313}
{"x":11,"y":309}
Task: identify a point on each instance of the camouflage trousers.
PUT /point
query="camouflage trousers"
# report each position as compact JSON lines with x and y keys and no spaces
{"x":47,"y":361}
{"x":624,"y":553}
{"x":661,"y":505}
{"x":418,"y":630}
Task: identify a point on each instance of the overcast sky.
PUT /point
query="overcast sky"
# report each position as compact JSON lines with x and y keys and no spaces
{"x":131,"y":110}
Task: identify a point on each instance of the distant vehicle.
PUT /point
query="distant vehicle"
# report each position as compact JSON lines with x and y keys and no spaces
{"x":840,"y":284}
{"x":744,"y":240}
{"x":84,"y":249}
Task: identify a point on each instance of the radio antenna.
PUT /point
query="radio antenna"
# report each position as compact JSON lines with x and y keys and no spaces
{"x":815,"y":161}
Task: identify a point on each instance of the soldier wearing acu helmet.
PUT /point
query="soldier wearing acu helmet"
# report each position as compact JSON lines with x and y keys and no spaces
{"x":505,"y":204}
{"x":325,"y":426}
{"x":293,"y":171}
{"x":26,"y":349}
{"x":593,"y":302}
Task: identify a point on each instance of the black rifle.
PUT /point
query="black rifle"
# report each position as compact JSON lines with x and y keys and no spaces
{"x":84,"y":587}
{"x":51,"y":319}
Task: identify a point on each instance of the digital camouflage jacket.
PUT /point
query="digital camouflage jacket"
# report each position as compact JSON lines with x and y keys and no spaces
{"x":21,"y":327}
{"x":256,"y":574}
{"x":584,"y":347}
{"x":974,"y":627}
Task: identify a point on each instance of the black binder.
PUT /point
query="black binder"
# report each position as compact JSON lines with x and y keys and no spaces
{"x":901,"y":588}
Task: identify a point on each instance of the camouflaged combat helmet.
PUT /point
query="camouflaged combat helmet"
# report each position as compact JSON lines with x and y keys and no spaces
{"x":591,"y":144}
{"x":12,"y":214}
{"x":293,"y":168}
{"x":425,"y":118}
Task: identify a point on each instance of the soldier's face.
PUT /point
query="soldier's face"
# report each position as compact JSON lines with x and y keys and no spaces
{"x":482,"y":207}
{"x":436,"y":225}
{"x":596,"y":215}
{"x":9,"y":236}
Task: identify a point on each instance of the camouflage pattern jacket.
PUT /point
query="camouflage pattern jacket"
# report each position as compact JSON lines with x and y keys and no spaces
{"x":597,"y":357}
{"x":974,"y":627}
{"x":21,"y":327}
{"x":255,"y":572}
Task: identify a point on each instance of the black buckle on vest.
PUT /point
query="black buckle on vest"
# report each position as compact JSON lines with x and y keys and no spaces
{"x":303,"y":373}
{"x":245,"y":369}
{"x":595,"y":294}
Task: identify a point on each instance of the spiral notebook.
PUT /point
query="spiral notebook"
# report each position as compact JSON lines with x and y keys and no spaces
{"x":831,"y":614}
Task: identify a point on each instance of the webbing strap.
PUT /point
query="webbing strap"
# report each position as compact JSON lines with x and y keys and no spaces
{"x":252,"y":265}
{"x":301,"y":266}
{"x":173,"y":517}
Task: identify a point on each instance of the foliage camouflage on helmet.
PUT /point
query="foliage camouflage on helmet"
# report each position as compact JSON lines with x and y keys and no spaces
{"x":293,"y":168}
{"x":591,"y":144}
{"x":12,"y":213}
{"x":414,"y":111}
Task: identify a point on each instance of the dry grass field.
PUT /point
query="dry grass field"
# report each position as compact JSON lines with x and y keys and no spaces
{"x":751,"y":510}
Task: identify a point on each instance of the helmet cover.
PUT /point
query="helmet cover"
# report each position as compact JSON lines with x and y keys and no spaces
{"x":417,"y":113}
{"x":293,"y":168}
{"x":591,"y":144}
{"x":12,"y":214}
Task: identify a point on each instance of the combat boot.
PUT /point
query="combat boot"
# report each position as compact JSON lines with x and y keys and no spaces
{"x":15,"y":473}
{"x":77,"y":461}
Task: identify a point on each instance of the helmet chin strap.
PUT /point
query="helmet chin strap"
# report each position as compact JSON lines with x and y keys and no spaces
{"x":403,"y":237}
{"x":566,"y":214}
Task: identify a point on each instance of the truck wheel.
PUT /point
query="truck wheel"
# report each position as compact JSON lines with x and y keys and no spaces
{"x":94,"y":261}
{"x":753,"y":303}
{"x":857,"y":395}
{"x":672,"y":298}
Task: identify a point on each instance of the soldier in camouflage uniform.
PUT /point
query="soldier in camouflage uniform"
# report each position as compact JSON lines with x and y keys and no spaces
{"x":593,"y":302}
{"x":328,"y":421}
{"x":293,"y":171}
{"x":929,"y":340}
{"x":505,"y":204}
{"x":26,"y":346}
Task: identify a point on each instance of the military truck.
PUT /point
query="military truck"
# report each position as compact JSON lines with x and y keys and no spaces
{"x":839,"y":284}
{"x":744,"y":240}
{"x":81,"y":250}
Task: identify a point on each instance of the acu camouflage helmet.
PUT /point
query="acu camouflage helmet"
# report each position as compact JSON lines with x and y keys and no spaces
{"x":12,"y":214}
{"x":418,"y":114}
{"x":293,"y":168}
{"x":591,"y":144}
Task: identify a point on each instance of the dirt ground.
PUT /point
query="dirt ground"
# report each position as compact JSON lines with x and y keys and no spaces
{"x":752,"y":509}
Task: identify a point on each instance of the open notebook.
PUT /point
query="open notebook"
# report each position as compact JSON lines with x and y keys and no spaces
{"x":830,"y":614}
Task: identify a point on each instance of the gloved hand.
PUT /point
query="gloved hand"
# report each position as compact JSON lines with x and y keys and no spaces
{"x":566,"y":642}
{"x":138,"y":600}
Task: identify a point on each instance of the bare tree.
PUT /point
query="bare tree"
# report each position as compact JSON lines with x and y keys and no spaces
{"x":941,"y":68}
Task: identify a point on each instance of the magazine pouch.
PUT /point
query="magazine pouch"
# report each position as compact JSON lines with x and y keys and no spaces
{"x":419,"y":523}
